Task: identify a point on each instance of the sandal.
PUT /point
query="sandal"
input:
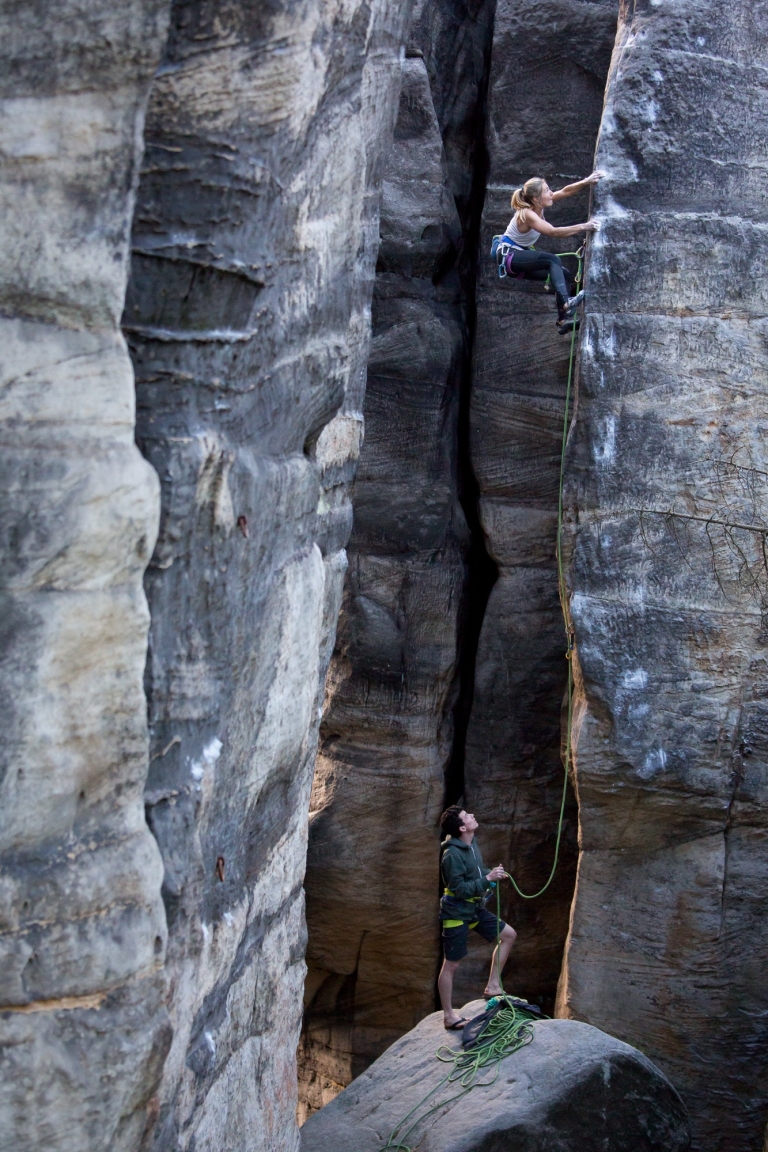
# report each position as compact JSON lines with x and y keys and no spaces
{"x":457,"y":1026}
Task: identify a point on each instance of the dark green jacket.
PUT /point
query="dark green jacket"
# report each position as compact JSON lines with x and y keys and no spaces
{"x":463,"y":873}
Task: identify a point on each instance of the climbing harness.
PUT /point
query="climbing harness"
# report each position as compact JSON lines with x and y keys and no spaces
{"x":504,"y":1028}
{"x":499,"y":251}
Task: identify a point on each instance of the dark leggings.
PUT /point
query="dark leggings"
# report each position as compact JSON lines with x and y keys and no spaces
{"x":537,"y":266}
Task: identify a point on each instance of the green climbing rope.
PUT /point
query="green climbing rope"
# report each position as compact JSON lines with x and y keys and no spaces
{"x":510,"y":1029}
{"x":563,"y":594}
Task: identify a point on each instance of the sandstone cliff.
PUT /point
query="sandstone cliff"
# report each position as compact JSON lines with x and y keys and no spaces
{"x":254,"y":244}
{"x":83,"y":1027}
{"x":247,"y":314}
{"x":134,"y":1017}
{"x":668,"y":571}
{"x":387,"y":730}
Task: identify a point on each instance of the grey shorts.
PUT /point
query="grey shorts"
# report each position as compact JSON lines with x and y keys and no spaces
{"x":455,"y":939}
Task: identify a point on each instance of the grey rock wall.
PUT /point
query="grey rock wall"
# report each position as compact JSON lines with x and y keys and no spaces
{"x":668,"y":572}
{"x":248,"y":318}
{"x":544,"y":105}
{"x":83,"y":1028}
{"x":387,"y":729}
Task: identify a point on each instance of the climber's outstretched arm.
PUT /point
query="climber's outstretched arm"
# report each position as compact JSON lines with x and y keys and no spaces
{"x":533,"y":220}
{"x":572,"y":189}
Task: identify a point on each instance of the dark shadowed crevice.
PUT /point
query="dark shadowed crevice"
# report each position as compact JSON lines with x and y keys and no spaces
{"x":482,"y":574}
{"x":482,"y":571}
{"x":507,"y":754}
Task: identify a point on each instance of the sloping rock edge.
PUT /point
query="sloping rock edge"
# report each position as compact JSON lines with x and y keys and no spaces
{"x":573,"y":1089}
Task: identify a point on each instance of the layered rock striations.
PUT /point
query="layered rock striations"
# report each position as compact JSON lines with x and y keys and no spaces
{"x":386,"y":735}
{"x":247,"y":316}
{"x":82,"y":929}
{"x":668,"y":573}
{"x":544,"y":108}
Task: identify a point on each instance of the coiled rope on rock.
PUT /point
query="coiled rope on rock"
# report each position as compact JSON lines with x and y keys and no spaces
{"x":508,"y":1030}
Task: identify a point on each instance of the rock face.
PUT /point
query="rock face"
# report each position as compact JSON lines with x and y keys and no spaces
{"x":247,"y":315}
{"x":572,"y":1088}
{"x":543,"y":118}
{"x":82,"y":926}
{"x":387,"y":730}
{"x":248,"y":311}
{"x":668,"y":572}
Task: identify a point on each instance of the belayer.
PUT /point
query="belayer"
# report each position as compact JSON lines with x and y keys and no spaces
{"x":466,"y":886}
{"x":514,"y":249}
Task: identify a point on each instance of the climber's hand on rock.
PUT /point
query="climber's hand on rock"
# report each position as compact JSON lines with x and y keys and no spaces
{"x":593,"y":177}
{"x":496,"y":873}
{"x":592,"y":226}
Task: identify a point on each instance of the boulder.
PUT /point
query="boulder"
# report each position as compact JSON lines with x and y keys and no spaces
{"x":572,"y":1089}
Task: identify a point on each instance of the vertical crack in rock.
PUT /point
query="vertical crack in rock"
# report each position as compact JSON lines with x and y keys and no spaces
{"x":544,"y":106}
{"x":668,"y":573}
{"x":83,"y":1028}
{"x":387,"y":730}
{"x":481,"y":570}
{"x":248,"y":322}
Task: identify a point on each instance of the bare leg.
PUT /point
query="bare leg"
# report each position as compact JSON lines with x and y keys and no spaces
{"x":445,"y":988}
{"x":504,"y":947}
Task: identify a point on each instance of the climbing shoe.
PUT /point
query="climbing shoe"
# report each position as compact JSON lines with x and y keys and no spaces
{"x":570,"y":324}
{"x":570,"y":306}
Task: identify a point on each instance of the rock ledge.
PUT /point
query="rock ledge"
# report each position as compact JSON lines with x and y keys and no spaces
{"x":573,"y":1089}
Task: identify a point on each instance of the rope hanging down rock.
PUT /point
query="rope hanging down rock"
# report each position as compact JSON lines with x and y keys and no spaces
{"x":563,"y":594}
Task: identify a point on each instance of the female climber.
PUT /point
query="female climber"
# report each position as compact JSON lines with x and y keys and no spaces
{"x":525,"y":228}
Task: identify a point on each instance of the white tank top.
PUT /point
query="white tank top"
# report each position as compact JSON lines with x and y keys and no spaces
{"x":522,"y":239}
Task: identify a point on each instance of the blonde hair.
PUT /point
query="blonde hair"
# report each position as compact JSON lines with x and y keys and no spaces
{"x":530,"y":191}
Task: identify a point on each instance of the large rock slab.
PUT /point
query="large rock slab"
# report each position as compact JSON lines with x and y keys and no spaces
{"x":513,"y":771}
{"x":83,"y":1027}
{"x":248,"y":316}
{"x":668,"y":574}
{"x":571,"y":1089}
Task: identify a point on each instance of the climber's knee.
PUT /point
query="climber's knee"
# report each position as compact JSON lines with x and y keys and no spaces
{"x":508,"y":934}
